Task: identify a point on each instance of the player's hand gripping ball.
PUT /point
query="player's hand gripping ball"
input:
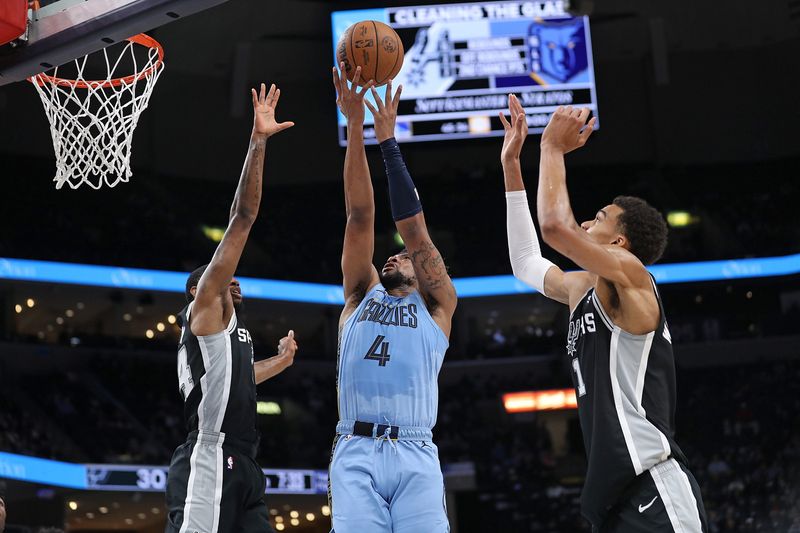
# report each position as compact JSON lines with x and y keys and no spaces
{"x":373,"y":46}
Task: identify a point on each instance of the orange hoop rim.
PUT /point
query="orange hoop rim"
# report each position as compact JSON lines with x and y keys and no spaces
{"x":142,"y":39}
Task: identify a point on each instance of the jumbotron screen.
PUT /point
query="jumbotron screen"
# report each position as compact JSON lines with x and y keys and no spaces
{"x":462,"y":61}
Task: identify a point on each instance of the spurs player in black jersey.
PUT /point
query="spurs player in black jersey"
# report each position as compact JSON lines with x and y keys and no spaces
{"x":214,"y":483}
{"x":618,"y":341}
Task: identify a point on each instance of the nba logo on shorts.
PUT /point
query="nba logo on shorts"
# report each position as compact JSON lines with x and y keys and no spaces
{"x":230,"y":462}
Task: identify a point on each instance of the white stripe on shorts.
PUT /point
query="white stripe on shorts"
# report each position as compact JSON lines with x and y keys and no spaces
{"x":204,"y":492}
{"x":675,"y":490}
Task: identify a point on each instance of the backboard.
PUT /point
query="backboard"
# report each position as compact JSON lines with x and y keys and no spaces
{"x":62,"y":30}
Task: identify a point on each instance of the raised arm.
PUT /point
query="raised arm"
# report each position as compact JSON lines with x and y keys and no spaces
{"x":358,"y":272}
{"x":566,"y":132}
{"x":210,"y":314}
{"x":524,"y":250}
{"x":434,"y":282}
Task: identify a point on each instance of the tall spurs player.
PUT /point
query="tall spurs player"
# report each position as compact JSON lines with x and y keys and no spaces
{"x":619,"y":345}
{"x":215,"y":484}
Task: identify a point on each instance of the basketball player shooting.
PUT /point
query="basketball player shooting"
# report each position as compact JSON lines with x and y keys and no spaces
{"x":393,"y":334}
{"x":214,"y":483}
{"x":618,"y":342}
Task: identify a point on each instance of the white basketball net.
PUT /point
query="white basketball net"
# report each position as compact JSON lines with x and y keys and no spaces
{"x":92,"y":120}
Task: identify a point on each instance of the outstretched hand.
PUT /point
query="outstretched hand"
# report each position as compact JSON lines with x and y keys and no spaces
{"x":287,"y":347}
{"x":565,"y":132}
{"x":264,"y":105}
{"x":386,"y":112}
{"x":516,"y":131}
{"x":349,"y":99}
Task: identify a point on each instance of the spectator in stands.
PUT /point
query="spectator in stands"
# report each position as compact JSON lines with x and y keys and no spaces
{"x":2,"y":515}
{"x":718,"y":467}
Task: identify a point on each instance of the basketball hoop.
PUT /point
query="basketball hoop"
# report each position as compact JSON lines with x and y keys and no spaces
{"x":92,"y":120}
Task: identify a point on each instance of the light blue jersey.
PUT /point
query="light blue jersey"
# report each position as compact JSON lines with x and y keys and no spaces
{"x":390,"y":354}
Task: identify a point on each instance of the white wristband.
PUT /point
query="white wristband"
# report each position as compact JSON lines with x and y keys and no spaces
{"x":524,"y":251}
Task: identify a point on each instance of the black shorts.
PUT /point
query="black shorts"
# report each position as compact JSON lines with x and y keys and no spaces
{"x":664,"y":499}
{"x":215,"y":489}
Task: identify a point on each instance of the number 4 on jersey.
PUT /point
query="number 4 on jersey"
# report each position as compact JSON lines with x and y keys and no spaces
{"x":381,"y":356}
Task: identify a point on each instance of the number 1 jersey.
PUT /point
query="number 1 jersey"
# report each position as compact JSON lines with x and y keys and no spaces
{"x":625,"y":386}
{"x":390,"y":354}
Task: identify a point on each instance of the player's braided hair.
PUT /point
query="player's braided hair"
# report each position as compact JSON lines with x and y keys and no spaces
{"x":644,"y":227}
{"x":194,"y":279}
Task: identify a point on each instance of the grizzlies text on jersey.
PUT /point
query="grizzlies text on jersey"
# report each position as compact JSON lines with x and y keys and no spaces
{"x":390,"y":354}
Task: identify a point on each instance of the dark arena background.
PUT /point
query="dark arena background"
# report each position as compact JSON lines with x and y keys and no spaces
{"x":698,"y":111}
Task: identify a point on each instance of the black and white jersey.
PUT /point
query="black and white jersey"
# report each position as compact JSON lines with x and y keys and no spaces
{"x":625,"y":386}
{"x":217,"y":381}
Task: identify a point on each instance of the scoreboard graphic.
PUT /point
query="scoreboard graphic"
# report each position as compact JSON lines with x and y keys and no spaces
{"x":154,"y":479}
{"x":462,"y":61}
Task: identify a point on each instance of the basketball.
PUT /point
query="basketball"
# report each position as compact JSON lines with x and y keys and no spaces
{"x":373,"y":46}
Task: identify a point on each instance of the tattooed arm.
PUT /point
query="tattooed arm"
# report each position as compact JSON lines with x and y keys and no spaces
{"x":212,"y":310}
{"x":435,"y":284}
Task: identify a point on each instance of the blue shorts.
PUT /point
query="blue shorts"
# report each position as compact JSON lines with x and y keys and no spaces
{"x":386,"y":486}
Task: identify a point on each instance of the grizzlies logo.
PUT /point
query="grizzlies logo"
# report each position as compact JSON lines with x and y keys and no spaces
{"x":558,"y":49}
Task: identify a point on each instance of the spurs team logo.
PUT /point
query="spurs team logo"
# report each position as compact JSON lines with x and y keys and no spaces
{"x":579,"y":326}
{"x":230,"y":462}
{"x":571,"y":340}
